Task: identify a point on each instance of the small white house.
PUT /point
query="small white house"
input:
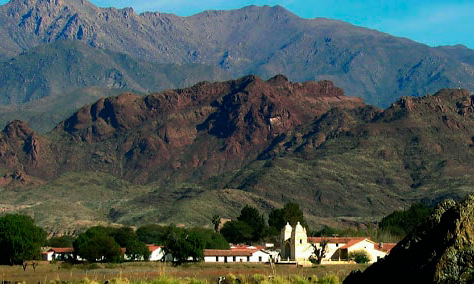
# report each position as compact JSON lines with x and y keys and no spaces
{"x":156,"y":253}
{"x":237,"y":254}
{"x":59,"y":254}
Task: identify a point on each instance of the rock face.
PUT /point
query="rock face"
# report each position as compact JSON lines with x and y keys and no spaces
{"x":200,"y":131}
{"x":440,"y":250}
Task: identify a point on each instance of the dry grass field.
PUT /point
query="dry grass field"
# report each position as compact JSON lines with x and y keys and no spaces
{"x":147,"y":272}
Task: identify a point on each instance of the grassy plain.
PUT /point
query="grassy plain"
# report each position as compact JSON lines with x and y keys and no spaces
{"x":152,"y":271}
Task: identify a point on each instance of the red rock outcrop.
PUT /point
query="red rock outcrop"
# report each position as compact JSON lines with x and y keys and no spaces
{"x":199,"y":131}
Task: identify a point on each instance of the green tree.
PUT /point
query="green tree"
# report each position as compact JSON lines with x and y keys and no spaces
{"x":276,"y":219}
{"x":20,"y":239}
{"x":291,"y":213}
{"x":402,"y":222}
{"x":216,"y":221}
{"x":152,"y":234}
{"x":255,"y":220}
{"x":137,"y":250}
{"x":237,"y":232}
{"x":211,"y":239}
{"x":183,"y":245}
{"x":96,"y":244}
{"x":60,"y":242}
{"x":128,"y":239}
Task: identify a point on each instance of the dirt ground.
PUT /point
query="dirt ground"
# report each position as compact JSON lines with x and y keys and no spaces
{"x":46,"y":272}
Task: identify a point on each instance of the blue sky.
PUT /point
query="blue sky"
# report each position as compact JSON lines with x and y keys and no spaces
{"x":433,"y":22}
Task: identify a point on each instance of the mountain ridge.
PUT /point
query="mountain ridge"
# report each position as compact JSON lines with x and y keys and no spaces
{"x":369,"y":64}
{"x":249,"y":140}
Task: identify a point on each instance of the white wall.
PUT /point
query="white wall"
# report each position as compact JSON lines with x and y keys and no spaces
{"x":260,"y":256}
{"x":157,"y":254}
{"x":222,"y":259}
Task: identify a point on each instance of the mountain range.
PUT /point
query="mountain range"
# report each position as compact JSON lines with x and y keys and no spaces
{"x":184,"y":155}
{"x":115,"y":127}
{"x":366,"y":63}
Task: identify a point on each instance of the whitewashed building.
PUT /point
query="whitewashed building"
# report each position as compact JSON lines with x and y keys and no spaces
{"x":297,"y":247}
{"x":238,"y":254}
{"x":59,"y":254}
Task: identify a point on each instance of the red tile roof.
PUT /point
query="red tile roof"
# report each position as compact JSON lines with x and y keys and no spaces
{"x":231,"y":252}
{"x":386,"y":247}
{"x":62,"y":250}
{"x":336,"y":240}
{"x":152,"y":248}
{"x":354,"y":242}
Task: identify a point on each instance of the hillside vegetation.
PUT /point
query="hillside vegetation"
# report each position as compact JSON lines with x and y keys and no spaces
{"x":183,"y":156}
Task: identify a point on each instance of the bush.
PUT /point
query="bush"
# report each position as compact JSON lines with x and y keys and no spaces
{"x":359,"y":256}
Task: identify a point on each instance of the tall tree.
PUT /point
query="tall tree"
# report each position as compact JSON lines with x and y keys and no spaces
{"x":151,"y":234}
{"x":128,"y":239}
{"x":20,"y":239}
{"x":216,"y":221}
{"x":211,"y":239}
{"x":237,"y":232}
{"x":96,"y":244}
{"x":254,"y":220}
{"x":61,"y":242}
{"x":291,"y":213}
{"x":182,"y":245}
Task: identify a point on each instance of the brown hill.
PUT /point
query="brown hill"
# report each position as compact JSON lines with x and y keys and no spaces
{"x":187,"y":134}
{"x":183,"y":155}
{"x":438,"y":251}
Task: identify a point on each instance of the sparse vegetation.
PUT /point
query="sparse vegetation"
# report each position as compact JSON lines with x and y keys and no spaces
{"x":157,"y":272}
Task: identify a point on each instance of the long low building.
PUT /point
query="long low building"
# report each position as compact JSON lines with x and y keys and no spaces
{"x":238,"y":254}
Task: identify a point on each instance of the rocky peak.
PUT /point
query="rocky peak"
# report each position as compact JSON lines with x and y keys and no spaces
{"x":439,"y":251}
{"x":18,"y":130}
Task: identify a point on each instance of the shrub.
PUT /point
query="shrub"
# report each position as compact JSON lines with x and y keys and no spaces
{"x":359,"y":256}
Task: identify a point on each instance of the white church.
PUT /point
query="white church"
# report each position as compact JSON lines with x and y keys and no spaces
{"x":297,"y":247}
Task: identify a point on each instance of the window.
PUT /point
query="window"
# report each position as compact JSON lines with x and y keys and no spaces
{"x":301,"y":241}
{"x":234,"y":259}
{"x":248,"y":258}
{"x":217,"y":259}
{"x":259,"y":259}
{"x":337,"y":245}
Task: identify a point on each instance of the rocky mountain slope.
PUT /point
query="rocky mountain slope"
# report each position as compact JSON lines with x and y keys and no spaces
{"x":438,"y":251}
{"x":183,"y":155}
{"x":49,"y":82}
{"x":369,"y":64}
{"x":196,"y":132}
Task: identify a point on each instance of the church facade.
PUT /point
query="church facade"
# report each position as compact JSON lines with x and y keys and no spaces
{"x":297,"y":247}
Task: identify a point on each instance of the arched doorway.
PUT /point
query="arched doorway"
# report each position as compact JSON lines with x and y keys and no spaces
{"x":287,"y":255}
